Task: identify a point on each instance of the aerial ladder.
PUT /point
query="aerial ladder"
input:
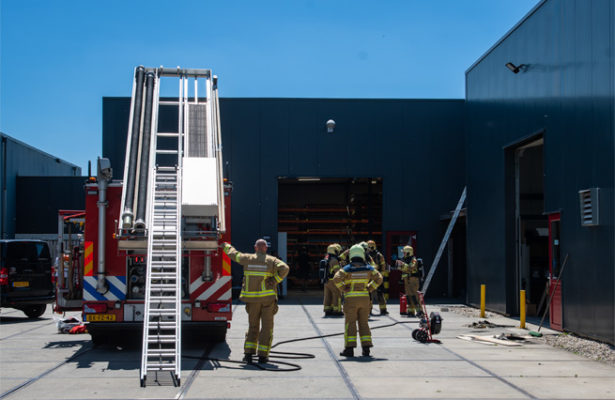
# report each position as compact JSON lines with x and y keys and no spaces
{"x":172,"y":184}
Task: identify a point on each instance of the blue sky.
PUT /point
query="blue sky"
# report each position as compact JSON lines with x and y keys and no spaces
{"x":59,"y":58}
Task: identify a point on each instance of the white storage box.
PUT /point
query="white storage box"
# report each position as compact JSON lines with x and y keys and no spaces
{"x":200,"y":187}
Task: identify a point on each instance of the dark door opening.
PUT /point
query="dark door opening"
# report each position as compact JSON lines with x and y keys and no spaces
{"x":555,"y":265}
{"x":532,"y":229}
{"x":316,"y":212}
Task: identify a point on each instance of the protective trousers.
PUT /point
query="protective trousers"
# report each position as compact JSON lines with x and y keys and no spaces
{"x":260,"y":329}
{"x":411,"y":286}
{"x":333,"y":298}
{"x":356,"y":311}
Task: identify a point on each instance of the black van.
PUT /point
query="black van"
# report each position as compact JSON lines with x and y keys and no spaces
{"x":26,"y":276}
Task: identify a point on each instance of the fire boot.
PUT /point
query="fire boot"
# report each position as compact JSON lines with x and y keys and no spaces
{"x":348,"y":352}
{"x":263,"y":359}
{"x":247,"y":358}
{"x":365,"y":351}
{"x":384,"y":312}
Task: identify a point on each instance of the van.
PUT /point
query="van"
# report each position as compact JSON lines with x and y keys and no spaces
{"x":26,"y":276}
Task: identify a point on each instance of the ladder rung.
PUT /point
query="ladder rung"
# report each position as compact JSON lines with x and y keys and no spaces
{"x":161,"y":311}
{"x":161,"y":325}
{"x":161,"y":151}
{"x":163,"y":287}
{"x":156,"y":367}
{"x":155,"y":338}
{"x":160,"y":353}
{"x":163,"y":275}
{"x":167,"y":134}
{"x":168,"y":102}
{"x":166,"y":169}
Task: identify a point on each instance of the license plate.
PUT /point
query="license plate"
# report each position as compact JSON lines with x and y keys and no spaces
{"x":99,"y":317}
{"x":21,"y":284}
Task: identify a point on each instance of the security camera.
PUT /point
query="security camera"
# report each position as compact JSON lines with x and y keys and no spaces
{"x":330,"y":126}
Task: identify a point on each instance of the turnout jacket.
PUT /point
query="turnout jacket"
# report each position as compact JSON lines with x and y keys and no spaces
{"x":357,"y":280}
{"x":261,"y":274}
{"x":345,"y":255}
{"x":378,"y":259}
{"x":333,"y":264}
{"x":410,"y":268}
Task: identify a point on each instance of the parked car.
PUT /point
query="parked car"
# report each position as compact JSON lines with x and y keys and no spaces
{"x":26,"y":276}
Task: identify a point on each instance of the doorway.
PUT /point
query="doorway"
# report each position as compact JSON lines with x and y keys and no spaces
{"x":531,"y":227}
{"x":316,"y":212}
{"x":555,"y":265}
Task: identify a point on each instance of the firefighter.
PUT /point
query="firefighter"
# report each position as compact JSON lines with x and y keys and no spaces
{"x":411,"y":275}
{"x":344,"y":256}
{"x":261,"y":275}
{"x":333,"y":298}
{"x":357,"y":280}
{"x":380,"y":265}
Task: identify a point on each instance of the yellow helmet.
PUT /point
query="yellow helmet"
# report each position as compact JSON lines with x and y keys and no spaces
{"x":408,"y":251}
{"x":371,"y":245}
{"x":334,"y":249}
{"x":364,"y":245}
{"x":357,"y":251}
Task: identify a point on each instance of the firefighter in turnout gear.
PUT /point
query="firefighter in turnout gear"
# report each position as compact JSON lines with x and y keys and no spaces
{"x":261,"y":275}
{"x":411,"y":274}
{"x":381,"y":265}
{"x":333,"y":298}
{"x":357,"y":280}
{"x":344,"y":256}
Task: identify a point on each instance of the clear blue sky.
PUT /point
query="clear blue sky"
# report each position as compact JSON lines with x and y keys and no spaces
{"x":59,"y":58}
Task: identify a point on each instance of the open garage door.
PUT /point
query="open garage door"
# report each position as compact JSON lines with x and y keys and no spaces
{"x":316,"y":212}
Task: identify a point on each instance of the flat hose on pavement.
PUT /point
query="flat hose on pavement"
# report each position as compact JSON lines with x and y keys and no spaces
{"x":289,"y":355}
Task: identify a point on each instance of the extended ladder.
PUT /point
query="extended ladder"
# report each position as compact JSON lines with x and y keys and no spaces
{"x":162,"y":314}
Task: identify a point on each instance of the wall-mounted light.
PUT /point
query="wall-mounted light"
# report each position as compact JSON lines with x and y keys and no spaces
{"x":330,"y":126}
{"x":514,"y":68}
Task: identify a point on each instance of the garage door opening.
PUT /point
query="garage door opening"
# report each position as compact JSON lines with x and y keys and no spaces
{"x":532,"y":230}
{"x":315,"y":212}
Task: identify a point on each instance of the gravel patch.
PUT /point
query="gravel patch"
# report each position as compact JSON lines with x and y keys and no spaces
{"x":587,"y":348}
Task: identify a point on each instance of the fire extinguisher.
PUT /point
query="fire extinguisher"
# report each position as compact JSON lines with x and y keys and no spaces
{"x":403,"y":304}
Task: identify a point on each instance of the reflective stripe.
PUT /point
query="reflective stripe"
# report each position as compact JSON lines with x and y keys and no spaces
{"x":277,"y":278}
{"x":262,"y":347}
{"x":249,"y":345}
{"x":339,"y":284}
{"x":357,"y":294}
{"x":255,"y":273}
{"x":237,"y":256}
{"x":373,"y":284}
{"x":258,"y":294}
{"x":351,"y":338}
{"x":358,"y":281}
{"x":366,"y":338}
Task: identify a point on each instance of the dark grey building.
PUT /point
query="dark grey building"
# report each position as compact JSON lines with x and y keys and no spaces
{"x":540,"y":165}
{"x":18,"y":159}
{"x":388,"y":171}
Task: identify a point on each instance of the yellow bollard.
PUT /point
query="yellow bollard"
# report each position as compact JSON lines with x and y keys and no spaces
{"x":522,"y":310}
{"x":482,"y":301}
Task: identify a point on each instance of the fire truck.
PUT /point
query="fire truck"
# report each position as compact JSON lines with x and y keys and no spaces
{"x":148,"y":260}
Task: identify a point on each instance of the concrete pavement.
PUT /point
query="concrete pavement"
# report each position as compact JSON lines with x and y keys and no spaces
{"x":34,"y":364}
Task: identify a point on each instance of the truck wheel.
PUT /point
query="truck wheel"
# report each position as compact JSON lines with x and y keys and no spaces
{"x":35,"y":311}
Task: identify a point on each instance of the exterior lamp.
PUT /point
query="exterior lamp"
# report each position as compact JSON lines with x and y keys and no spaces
{"x":514,"y":68}
{"x":330,"y":126}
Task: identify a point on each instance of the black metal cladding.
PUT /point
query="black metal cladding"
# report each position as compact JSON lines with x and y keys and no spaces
{"x":416,"y":146}
{"x":35,"y":215}
{"x":564,"y":92}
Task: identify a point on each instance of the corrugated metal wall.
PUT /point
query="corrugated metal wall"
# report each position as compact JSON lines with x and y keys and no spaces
{"x":20,"y":159}
{"x":565,"y":91}
{"x":416,"y":146}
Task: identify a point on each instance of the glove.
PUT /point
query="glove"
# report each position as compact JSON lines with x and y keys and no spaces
{"x":270,"y":283}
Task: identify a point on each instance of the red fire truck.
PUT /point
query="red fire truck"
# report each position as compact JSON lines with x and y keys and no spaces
{"x":149,"y":259}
